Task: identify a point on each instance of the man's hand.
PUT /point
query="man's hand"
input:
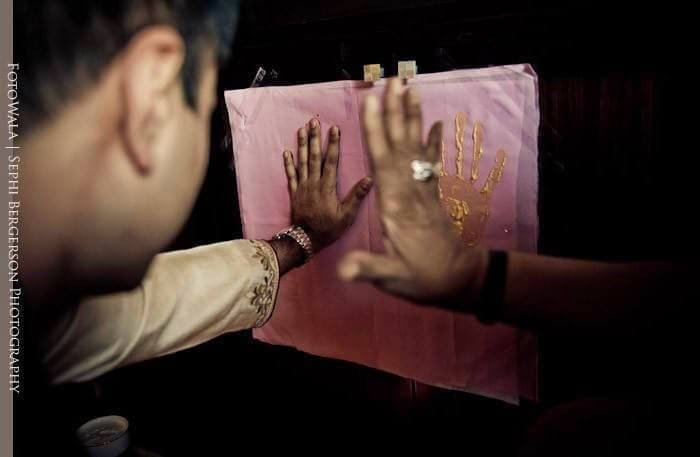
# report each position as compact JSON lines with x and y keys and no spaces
{"x":313,"y":187}
{"x":424,"y":260}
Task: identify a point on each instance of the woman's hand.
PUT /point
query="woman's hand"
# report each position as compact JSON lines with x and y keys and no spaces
{"x":425,"y":260}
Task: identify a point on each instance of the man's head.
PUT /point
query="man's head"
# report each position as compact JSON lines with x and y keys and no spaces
{"x":116,"y":98}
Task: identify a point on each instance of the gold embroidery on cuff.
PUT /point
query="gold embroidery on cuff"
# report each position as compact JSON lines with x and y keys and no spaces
{"x":263,"y":293}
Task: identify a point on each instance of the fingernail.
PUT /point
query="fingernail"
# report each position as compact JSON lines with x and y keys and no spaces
{"x":372,"y":103}
{"x":367,"y":183}
{"x":335,"y":130}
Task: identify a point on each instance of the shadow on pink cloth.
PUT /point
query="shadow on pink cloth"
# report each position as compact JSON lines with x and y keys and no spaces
{"x":319,"y":314}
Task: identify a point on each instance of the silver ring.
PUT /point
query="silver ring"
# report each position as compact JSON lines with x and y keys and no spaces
{"x":424,"y":171}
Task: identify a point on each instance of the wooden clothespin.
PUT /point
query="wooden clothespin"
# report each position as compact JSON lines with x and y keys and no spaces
{"x":373,"y":72}
{"x":407,"y":69}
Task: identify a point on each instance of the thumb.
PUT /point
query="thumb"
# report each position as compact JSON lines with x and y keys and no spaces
{"x":352,"y":201}
{"x":365,"y":266}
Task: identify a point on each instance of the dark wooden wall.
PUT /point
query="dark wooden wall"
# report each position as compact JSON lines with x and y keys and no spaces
{"x":612,"y":186}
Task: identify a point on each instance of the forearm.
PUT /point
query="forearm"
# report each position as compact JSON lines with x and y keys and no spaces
{"x":546,"y":292}
{"x":187,"y":298}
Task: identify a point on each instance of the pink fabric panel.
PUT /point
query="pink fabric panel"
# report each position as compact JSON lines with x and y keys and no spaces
{"x":319,"y":314}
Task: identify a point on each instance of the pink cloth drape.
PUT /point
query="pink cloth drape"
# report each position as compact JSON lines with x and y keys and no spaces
{"x":319,"y":314}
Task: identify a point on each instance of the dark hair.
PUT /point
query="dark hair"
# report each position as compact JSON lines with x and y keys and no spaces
{"x":62,"y":46}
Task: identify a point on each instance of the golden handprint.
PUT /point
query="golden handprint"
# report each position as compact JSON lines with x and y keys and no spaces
{"x":467,"y":205}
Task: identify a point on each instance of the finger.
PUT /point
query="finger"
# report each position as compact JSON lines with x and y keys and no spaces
{"x":414,"y":117}
{"x":478,"y":137}
{"x":314,"y":150}
{"x":436,"y":146}
{"x":496,"y":172}
{"x":330,"y":163}
{"x":373,"y":129}
{"x":291,"y":171}
{"x":394,"y":112}
{"x":460,"y":125}
{"x":351,"y":203}
{"x":365,"y":266}
{"x":303,"y":154}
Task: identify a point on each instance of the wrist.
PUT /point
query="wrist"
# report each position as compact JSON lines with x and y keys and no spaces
{"x":289,"y":254}
{"x":488,"y":306}
{"x":475,"y":265}
{"x":477,"y":277}
{"x":319,"y":240}
{"x":466,"y":278}
{"x":301,"y":237}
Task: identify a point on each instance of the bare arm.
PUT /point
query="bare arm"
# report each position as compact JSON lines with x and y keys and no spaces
{"x":545,"y":292}
{"x":194,"y":295}
{"x":426,"y":262}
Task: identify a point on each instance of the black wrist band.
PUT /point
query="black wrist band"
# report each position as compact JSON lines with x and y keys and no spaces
{"x":488,"y":308}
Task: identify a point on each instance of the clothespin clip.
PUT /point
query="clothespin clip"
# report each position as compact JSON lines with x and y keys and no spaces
{"x":260,"y":76}
{"x":407,"y":69}
{"x":373,"y":72}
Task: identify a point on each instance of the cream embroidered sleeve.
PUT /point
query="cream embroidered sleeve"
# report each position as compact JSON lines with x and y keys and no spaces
{"x":188,"y":297}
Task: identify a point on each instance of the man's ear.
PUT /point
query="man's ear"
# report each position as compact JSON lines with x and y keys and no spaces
{"x":151,"y":65}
